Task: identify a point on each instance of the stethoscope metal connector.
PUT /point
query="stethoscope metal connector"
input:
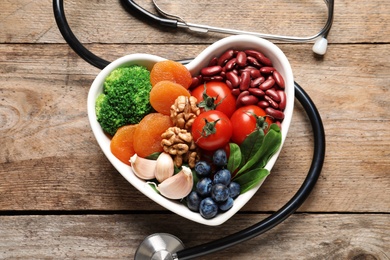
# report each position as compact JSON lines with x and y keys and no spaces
{"x":159,"y":246}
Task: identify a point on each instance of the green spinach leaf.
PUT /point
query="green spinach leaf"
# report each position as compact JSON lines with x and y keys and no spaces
{"x":251,"y":145}
{"x":271,"y":143}
{"x":251,"y":178}
{"x":235,"y":158}
{"x":271,"y":146}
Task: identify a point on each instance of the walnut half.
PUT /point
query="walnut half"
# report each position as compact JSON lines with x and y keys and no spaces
{"x":180,"y":144}
{"x":184,"y":111}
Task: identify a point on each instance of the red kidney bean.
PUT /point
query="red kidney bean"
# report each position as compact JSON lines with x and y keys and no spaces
{"x":273,"y":94}
{"x":259,"y":57}
{"x":252,"y":53}
{"x":247,"y":100}
{"x":263,"y":104}
{"x":240,"y":96}
{"x":245,"y":80}
{"x":264,"y":60}
{"x":267,"y":70}
{"x":229,"y":84}
{"x":278,"y":79}
{"x":211,"y":71}
{"x":247,"y":68}
{"x":271,"y":102}
{"x":283,"y":99}
{"x":213,"y":62}
{"x":267,"y":84}
{"x":253,"y":84}
{"x":241,"y":58}
{"x":227,"y":55}
{"x":277,"y":114}
{"x":255,"y":73}
{"x":213,"y":78}
{"x":233,"y":78}
{"x":256,"y":92}
{"x":252,"y":60}
{"x":257,"y":81}
{"x":230,"y":64}
{"x":236,"y":92}
{"x":195,"y":82}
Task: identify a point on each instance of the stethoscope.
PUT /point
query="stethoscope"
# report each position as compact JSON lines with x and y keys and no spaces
{"x":167,"y":246}
{"x":175,"y":21}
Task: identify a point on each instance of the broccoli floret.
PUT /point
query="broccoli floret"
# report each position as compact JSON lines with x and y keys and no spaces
{"x":125,"y":98}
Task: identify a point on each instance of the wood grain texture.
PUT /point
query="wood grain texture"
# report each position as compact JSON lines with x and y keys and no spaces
{"x":60,"y":198}
{"x":303,"y":236}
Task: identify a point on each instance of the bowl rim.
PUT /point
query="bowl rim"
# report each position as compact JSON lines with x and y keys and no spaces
{"x":270,"y":50}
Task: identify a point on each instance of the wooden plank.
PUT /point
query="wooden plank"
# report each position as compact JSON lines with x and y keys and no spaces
{"x":23,"y":21}
{"x":49,"y":159}
{"x":303,"y":236}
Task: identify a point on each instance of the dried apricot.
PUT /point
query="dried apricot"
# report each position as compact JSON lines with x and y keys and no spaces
{"x":164,"y":94}
{"x":147,"y":136}
{"x":122,"y":143}
{"x":172,"y":71}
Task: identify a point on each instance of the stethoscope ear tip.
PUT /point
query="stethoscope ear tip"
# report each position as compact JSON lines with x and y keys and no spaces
{"x":320,"y":46}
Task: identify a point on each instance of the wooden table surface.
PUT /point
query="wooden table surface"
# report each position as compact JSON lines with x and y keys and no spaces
{"x":60,"y":198}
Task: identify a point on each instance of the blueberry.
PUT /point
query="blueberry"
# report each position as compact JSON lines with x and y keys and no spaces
{"x":203,"y":187}
{"x":234,"y":189}
{"x":202,"y":168}
{"x":193,"y":201}
{"x":225,"y":206}
{"x":222,"y":176}
{"x":220,"y":192}
{"x":208,"y":208}
{"x":220,"y":158}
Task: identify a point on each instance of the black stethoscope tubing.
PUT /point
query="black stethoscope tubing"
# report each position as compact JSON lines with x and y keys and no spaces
{"x":292,"y":205}
{"x":274,"y":219}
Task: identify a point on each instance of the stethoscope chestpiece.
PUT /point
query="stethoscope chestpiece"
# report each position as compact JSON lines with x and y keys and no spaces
{"x":159,"y":246}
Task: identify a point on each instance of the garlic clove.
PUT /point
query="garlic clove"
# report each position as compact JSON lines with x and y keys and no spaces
{"x":143,"y":168}
{"x":178,"y":186}
{"x":164,"y":167}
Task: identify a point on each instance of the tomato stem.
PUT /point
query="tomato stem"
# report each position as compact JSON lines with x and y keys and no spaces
{"x":209,"y":128}
{"x":208,"y":102}
{"x":261,"y":124}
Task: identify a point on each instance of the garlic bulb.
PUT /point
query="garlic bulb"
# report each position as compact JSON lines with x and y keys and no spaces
{"x":178,"y":186}
{"x":164,"y":167}
{"x":143,"y":168}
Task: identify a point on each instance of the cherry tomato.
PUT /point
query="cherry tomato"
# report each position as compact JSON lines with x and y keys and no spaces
{"x":212,"y":130}
{"x":218,"y":96}
{"x":244,"y":122}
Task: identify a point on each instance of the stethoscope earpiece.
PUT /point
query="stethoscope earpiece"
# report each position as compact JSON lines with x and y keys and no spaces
{"x":320,"y":46}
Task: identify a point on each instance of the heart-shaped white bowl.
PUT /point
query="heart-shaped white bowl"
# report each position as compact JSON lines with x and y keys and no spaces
{"x":239,"y":42}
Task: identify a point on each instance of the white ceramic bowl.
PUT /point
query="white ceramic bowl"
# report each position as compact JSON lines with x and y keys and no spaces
{"x":243,"y":42}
